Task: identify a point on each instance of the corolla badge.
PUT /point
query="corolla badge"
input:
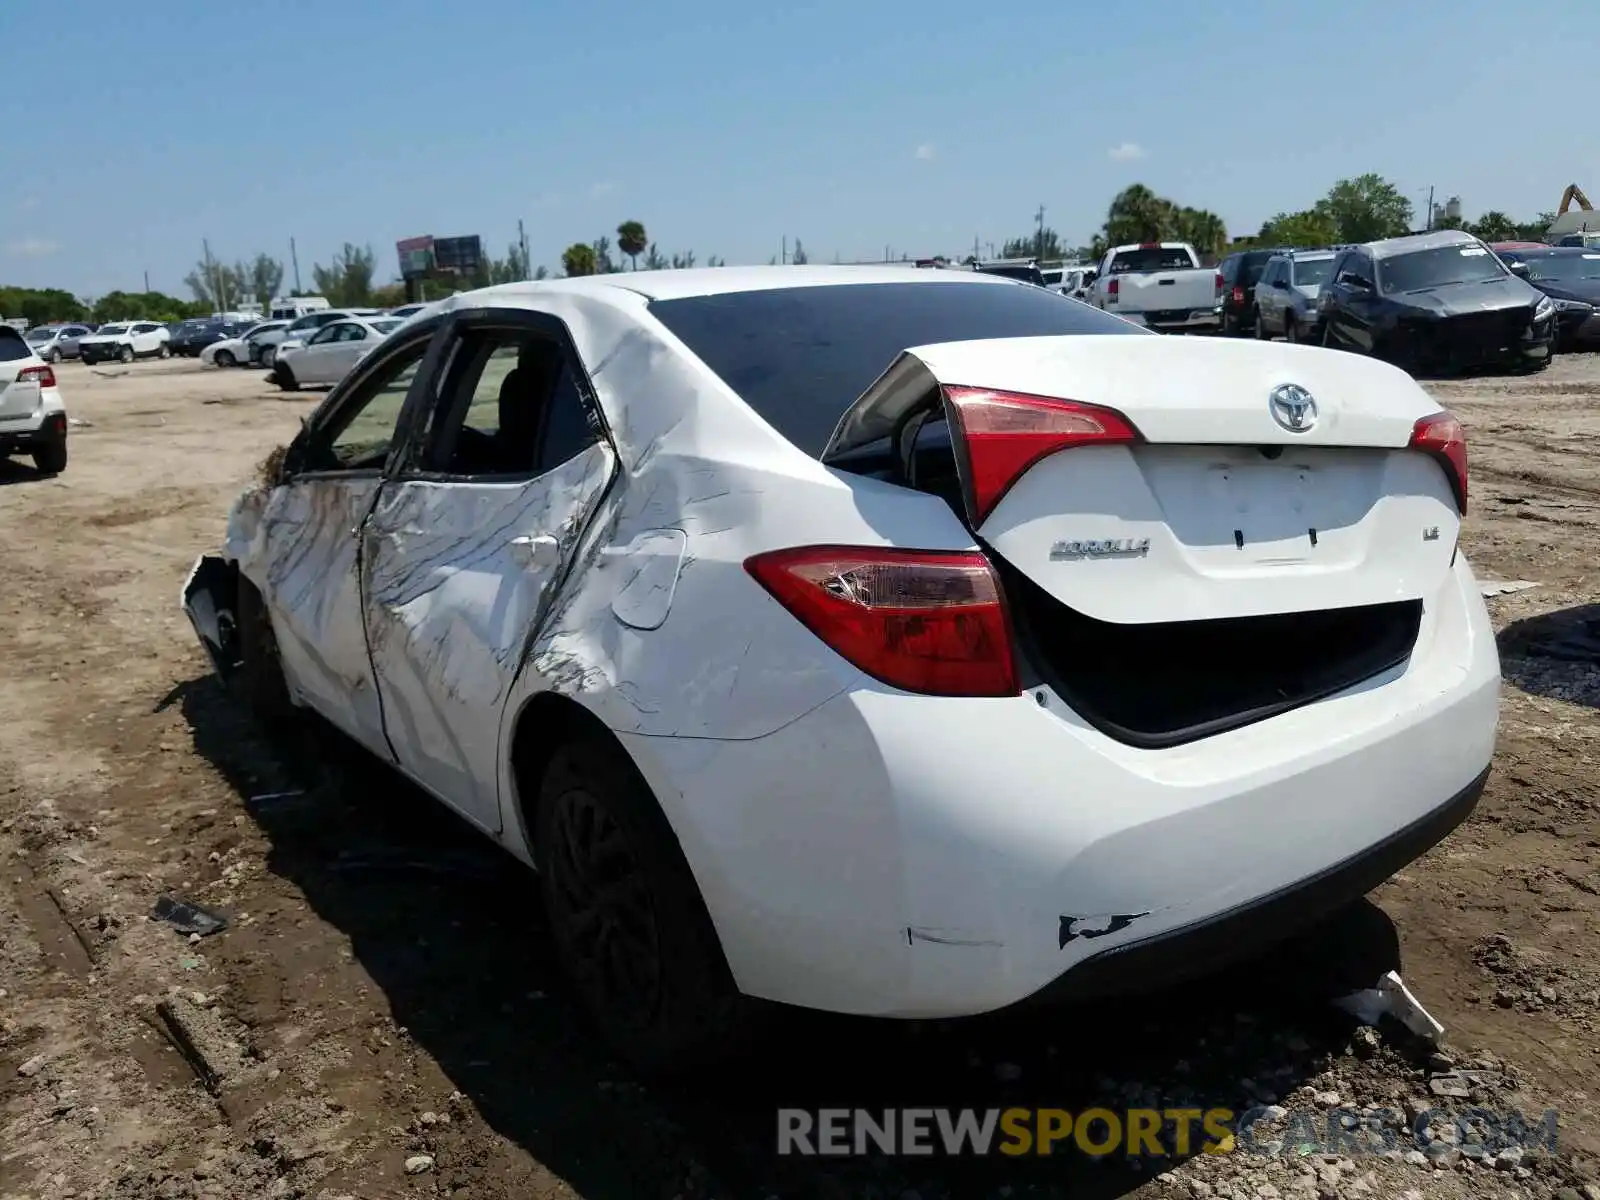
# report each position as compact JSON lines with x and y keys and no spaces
{"x":1292,"y":407}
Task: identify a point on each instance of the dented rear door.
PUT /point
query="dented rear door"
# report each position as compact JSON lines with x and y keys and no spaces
{"x":462,"y":557}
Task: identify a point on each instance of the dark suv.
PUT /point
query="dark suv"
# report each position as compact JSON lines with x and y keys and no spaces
{"x":1240,"y":273}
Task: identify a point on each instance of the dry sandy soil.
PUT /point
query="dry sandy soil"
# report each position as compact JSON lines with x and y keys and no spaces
{"x":383,"y":990}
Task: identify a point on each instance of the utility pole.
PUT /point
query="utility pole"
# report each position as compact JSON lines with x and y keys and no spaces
{"x":975,"y":253}
{"x":1430,"y":208}
{"x":522,"y":236}
{"x":784,"y":252}
{"x":1039,"y":247}
{"x":147,"y":283}
{"x":213,"y":280}
{"x":295,"y":259}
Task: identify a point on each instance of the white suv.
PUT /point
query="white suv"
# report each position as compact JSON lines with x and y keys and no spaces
{"x":125,"y":342}
{"x":33,"y":419}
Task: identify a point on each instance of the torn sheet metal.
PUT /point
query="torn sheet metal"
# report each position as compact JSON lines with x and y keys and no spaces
{"x":1391,"y":998}
{"x":1504,"y":587}
{"x":1073,"y":928}
{"x":457,"y":578}
{"x":187,"y":917}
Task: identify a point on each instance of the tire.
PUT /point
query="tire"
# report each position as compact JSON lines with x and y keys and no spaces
{"x":1291,"y":333}
{"x":125,"y":354}
{"x":269,"y":355}
{"x":51,"y":458}
{"x":284,"y":378}
{"x":165,"y":351}
{"x":1261,"y":329}
{"x":614,"y":878}
{"x":53,"y":357}
{"x":259,"y":681}
{"x":224,"y":358}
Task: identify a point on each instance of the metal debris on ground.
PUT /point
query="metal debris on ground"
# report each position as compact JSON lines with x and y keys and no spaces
{"x":188,"y":918}
{"x":1391,"y":998}
{"x":1504,"y":587}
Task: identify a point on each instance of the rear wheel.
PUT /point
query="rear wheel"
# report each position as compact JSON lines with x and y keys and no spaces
{"x":629,"y":926}
{"x":284,"y":377}
{"x":51,"y":458}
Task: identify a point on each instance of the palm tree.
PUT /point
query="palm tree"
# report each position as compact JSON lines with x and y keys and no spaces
{"x":1139,"y":215}
{"x":578,"y":259}
{"x":632,"y":241}
{"x":1202,"y":229}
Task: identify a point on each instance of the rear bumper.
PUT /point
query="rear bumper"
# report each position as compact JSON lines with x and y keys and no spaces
{"x":32,"y":432}
{"x":911,"y":856}
{"x":1178,"y":319}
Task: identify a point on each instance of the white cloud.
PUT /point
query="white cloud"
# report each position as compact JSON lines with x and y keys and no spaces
{"x":602,"y":189}
{"x":1126,"y":152}
{"x":926,"y":152}
{"x":31,"y":248}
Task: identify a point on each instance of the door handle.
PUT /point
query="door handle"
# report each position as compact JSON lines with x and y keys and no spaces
{"x":540,"y":550}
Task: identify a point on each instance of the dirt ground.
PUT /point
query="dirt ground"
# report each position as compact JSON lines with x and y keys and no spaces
{"x":383,"y":996}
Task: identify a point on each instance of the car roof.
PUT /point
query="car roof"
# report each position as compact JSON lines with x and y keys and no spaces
{"x":1412,"y":242}
{"x":717,"y":281}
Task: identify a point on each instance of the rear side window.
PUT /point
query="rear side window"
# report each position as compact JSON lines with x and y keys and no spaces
{"x":801,"y":356}
{"x":1150,"y":258}
{"x":13,"y":345}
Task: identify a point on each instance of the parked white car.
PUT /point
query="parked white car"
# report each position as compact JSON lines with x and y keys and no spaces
{"x":331,"y":352}
{"x":33,"y":417}
{"x":125,"y":342}
{"x":242,"y":350}
{"x":887,"y":642}
{"x":300,"y":330}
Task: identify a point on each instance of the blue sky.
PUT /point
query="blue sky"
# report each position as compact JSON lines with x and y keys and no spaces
{"x":725,"y":125}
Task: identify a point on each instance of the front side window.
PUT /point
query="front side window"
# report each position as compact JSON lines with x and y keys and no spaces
{"x":364,"y":432}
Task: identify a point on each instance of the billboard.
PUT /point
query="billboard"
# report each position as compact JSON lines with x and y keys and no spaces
{"x":416,"y":256}
{"x":463,"y":255}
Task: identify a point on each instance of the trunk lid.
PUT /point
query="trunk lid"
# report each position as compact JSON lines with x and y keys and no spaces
{"x":1219,"y":511}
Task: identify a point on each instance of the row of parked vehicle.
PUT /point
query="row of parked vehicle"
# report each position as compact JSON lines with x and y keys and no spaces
{"x":315,"y":348}
{"x":1439,"y":301}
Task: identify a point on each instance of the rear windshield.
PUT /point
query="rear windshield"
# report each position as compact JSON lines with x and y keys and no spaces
{"x":801,"y":356}
{"x":1151,"y":258}
{"x":1440,"y":267}
{"x":1565,"y":268}
{"x":1312,"y":272}
{"x":12,"y":345}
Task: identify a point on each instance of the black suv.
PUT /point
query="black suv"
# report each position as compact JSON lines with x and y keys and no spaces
{"x":1240,"y":273}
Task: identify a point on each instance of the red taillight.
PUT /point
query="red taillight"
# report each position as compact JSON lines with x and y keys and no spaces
{"x":1441,"y":436}
{"x":1001,"y":434}
{"x":923,"y":621}
{"x":43,"y":376}
{"x":1238,"y":294}
{"x":1112,"y":288}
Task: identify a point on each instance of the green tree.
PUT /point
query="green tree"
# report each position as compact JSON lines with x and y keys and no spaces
{"x":1367,"y":208}
{"x":513,"y":268}
{"x":1494,"y":226}
{"x":145,"y":306}
{"x":1202,"y":229}
{"x":347,"y":281}
{"x":542,"y":273}
{"x":1034,"y":245}
{"x":578,"y":259}
{"x":40,"y":306}
{"x":683,"y":261}
{"x":632,"y":240}
{"x":799,"y":258}
{"x":1137,"y":214}
{"x":602,"y":256}
{"x":714,"y":261}
{"x":1312,"y":227}
{"x":653,"y":261}
{"x":214,"y":284}
{"x":262,"y":277}
{"x":1534,"y":230}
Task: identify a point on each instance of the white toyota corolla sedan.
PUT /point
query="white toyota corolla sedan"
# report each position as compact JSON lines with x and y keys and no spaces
{"x":883,"y":641}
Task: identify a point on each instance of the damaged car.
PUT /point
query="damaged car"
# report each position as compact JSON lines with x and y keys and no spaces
{"x":905,"y":643}
{"x":1436,"y":302}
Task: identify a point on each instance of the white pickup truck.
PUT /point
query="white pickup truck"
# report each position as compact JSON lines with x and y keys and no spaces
{"x":1159,"y":284}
